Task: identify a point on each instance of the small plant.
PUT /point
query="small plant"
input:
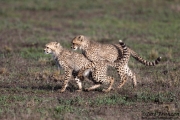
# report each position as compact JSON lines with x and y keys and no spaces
{"x":3,"y":71}
{"x":43,"y":61}
{"x":7,"y":49}
{"x":63,"y":109}
{"x":156,"y":97}
{"x":76,"y":101}
{"x":110,"y":100}
{"x":153,"y":54}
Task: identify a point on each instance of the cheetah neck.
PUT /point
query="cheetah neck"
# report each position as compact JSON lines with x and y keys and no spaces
{"x":56,"y":53}
{"x":86,"y":45}
{"x":91,"y":45}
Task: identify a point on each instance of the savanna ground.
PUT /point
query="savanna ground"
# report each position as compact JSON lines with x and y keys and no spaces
{"x":27,"y":88}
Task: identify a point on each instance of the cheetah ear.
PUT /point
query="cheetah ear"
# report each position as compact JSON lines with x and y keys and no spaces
{"x":57,"y":44}
{"x":81,"y":37}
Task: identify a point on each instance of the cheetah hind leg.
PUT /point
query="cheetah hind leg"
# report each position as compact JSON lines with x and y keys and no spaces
{"x":123,"y":80}
{"x":111,"y":82}
{"x":134,"y":81}
{"x":133,"y":78}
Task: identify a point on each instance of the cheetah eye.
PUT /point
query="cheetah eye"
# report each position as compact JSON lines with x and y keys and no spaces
{"x":47,"y":47}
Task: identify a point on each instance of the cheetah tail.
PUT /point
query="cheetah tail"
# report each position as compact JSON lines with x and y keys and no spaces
{"x":125,"y":57}
{"x":125,"y":50}
{"x":143,"y":61}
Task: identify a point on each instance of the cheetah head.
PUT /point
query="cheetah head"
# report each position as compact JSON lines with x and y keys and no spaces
{"x":80,"y":42}
{"x":52,"y":48}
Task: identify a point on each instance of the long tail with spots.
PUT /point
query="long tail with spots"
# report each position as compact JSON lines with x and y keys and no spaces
{"x":137,"y":57}
{"x":143,"y":61}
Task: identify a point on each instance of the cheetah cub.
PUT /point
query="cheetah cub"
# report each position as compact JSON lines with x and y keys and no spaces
{"x":97,"y":52}
{"x":70,"y":61}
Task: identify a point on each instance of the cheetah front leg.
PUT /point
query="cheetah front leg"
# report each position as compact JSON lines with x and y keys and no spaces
{"x":82,"y":70}
{"x":67,"y":77}
{"x":111,"y":82}
{"x":101,"y":79}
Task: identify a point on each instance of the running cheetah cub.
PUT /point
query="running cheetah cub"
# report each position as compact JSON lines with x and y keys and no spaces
{"x":97,"y":52}
{"x":69,"y":61}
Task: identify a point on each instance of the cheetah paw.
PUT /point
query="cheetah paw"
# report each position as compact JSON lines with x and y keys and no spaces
{"x":87,"y":89}
{"x":119,"y":86}
{"x":80,"y":90}
{"x":106,"y":90}
{"x":61,"y":90}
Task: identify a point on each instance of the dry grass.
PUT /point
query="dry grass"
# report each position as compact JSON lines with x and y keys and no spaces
{"x":169,"y":54}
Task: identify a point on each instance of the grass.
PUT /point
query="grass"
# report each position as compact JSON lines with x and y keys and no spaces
{"x":28,"y":91}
